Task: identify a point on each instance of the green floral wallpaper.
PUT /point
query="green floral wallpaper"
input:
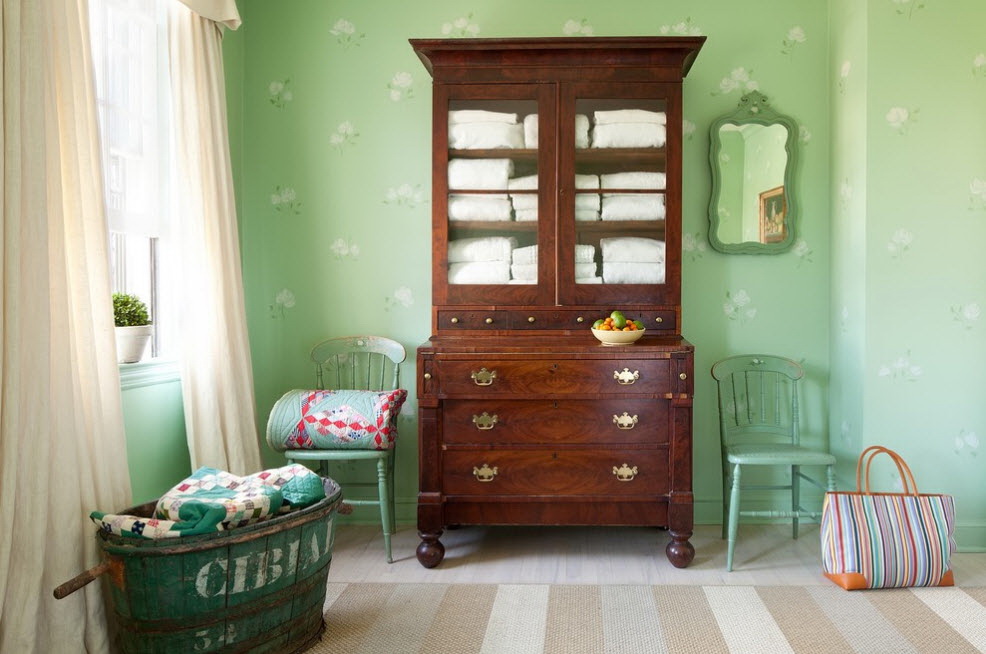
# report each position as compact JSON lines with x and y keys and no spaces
{"x":879,"y":298}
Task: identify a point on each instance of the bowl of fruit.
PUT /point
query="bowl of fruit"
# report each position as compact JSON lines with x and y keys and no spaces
{"x":617,"y":329}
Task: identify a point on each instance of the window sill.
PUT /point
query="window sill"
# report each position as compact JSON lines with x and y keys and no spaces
{"x":148,"y":373}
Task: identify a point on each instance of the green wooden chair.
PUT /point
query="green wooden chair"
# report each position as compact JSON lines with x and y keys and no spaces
{"x":758,"y":426}
{"x":364,"y":363}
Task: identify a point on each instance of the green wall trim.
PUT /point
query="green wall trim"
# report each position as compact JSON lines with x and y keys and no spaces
{"x":136,"y":375}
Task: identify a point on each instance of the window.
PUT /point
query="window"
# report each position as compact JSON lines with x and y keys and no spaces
{"x":132,"y":92}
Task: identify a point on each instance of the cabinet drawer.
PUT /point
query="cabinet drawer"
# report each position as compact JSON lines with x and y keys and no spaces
{"x":558,"y":376}
{"x":496,"y":421}
{"x":490,"y":320}
{"x":625,"y":472}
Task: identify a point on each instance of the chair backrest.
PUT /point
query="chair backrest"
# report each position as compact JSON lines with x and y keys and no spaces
{"x":758,"y":399}
{"x":371,"y":363}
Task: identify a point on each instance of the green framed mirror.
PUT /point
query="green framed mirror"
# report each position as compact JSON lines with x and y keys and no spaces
{"x":753,"y":154}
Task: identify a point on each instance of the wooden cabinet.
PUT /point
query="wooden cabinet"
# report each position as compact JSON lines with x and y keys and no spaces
{"x":556,"y":190}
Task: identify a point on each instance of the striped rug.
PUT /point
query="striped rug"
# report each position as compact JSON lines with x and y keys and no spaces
{"x":558,"y":619}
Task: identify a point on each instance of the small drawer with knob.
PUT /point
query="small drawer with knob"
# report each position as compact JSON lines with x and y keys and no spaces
{"x":551,"y":319}
{"x":461,"y":320}
{"x":591,"y":377}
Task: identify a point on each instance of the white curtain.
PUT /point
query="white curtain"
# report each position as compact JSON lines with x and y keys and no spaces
{"x":217,"y":379}
{"x":62,"y":446}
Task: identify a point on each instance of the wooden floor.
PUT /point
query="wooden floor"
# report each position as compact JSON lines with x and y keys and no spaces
{"x":765,"y":555}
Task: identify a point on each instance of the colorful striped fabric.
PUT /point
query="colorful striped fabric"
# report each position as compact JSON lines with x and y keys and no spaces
{"x":887,"y":540}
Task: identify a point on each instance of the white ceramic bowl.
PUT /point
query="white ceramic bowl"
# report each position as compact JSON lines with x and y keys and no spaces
{"x":617,"y":338}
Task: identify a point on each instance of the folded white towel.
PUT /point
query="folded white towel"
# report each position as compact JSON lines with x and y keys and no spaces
{"x":589,"y":201}
{"x":478,"y":207}
{"x":481,"y":174}
{"x":526,"y":215}
{"x":474,"y":136}
{"x":588,"y":280}
{"x":490,"y":248}
{"x":583,"y":270}
{"x":525,"y":183}
{"x":630,"y":116}
{"x":530,"y":270}
{"x":480,"y":116}
{"x":633,"y":207}
{"x":642,"y":180}
{"x":584,"y":253}
{"x":633,"y":249}
{"x":629,"y":135}
{"x":622,"y":272}
{"x":531,"y":215}
{"x":479,"y":272}
{"x":523,"y":281}
{"x":581,"y":131}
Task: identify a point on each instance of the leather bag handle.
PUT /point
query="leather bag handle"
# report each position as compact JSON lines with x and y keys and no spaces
{"x":870,"y":453}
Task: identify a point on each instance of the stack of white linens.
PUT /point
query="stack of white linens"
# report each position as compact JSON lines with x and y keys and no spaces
{"x":633,"y":206}
{"x":581,"y":131}
{"x":632,"y":260}
{"x":526,"y":204}
{"x":629,"y":128}
{"x":524,"y":269}
{"x":475,"y":129}
{"x":479,"y":174}
{"x":480,"y":260}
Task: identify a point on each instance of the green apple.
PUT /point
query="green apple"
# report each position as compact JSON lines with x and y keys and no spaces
{"x":596,"y":324}
{"x":619,"y":320}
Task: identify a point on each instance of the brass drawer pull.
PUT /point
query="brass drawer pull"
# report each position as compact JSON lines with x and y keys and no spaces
{"x":625,"y":421}
{"x":488,"y":321}
{"x":484,"y":473}
{"x":580,"y":319}
{"x":626,"y":377}
{"x":454,"y":321}
{"x":625,"y":472}
{"x":531,"y":318}
{"x":683,"y":376}
{"x":484,"y":377}
{"x":427,"y":375}
{"x":659,"y":319}
{"x":484,"y":422}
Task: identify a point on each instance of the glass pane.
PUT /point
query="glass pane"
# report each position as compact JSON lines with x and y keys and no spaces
{"x":492,"y":192}
{"x":620,"y":185}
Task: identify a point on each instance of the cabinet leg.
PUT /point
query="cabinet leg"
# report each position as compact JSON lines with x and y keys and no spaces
{"x":680,"y":552}
{"x":430,"y":550}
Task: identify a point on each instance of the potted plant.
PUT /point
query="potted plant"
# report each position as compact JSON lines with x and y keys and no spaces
{"x":133,"y":327}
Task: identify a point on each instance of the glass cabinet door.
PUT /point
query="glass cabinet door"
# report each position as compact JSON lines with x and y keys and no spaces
{"x":498,"y":214}
{"x":616,"y":213}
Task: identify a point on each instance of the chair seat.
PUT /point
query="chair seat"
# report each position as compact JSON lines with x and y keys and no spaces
{"x":777,"y":454}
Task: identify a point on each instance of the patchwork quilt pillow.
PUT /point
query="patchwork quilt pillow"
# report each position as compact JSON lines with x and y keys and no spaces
{"x":335,"y":419}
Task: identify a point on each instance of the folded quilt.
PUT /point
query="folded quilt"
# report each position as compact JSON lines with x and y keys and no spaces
{"x":479,"y":207}
{"x":629,"y":135}
{"x":212,"y":500}
{"x":638,"y":206}
{"x":480,"y":116}
{"x":479,"y":272}
{"x":338,"y":419}
{"x":639,"y":179}
{"x":621,"y":272}
{"x":473,"y":136}
{"x":632,"y":249}
{"x":480,"y":174}
{"x":629,"y":116}
{"x":581,"y":131}
{"x":488,"y":248}
{"x":584,"y":253}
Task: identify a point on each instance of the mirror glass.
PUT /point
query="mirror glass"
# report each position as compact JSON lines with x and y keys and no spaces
{"x":752,"y":156}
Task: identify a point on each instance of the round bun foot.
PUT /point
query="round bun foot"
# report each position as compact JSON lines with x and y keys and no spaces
{"x":430,"y":552}
{"x":680,"y":552}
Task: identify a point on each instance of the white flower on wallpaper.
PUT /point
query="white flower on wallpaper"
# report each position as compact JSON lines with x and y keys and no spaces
{"x":737,"y":306}
{"x":683,"y":28}
{"x":900,"y":118}
{"x":279,"y":92}
{"x":574,"y":27}
{"x":977,"y":194}
{"x":343,"y":248}
{"x":345,"y":33}
{"x":737,"y":80}
{"x":844,"y":76}
{"x":400,"y":87}
{"x":687,"y":129}
{"x":461,"y":27}
{"x":404,"y":195}
{"x":907,"y":7}
{"x":967,"y":442}
{"x":285,"y":199}
{"x":284,"y":299}
{"x":901,"y":368}
{"x":794,"y":36}
{"x":804,"y":135}
{"x":402,"y":297}
{"x":694,"y":245}
{"x":967,"y":315}
{"x":344,"y":135}
{"x":900,"y":243}
{"x":802,"y":250}
{"x":979,"y":65}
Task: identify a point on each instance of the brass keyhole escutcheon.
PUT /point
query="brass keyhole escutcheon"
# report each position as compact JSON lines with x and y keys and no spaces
{"x":554,"y":455}
{"x":483,"y":377}
{"x":484,"y":473}
{"x":485,"y":421}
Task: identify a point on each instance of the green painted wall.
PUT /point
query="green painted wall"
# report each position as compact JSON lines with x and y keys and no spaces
{"x":331,"y":129}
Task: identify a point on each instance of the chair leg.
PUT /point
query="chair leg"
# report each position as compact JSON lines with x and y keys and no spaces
{"x":795,"y":497}
{"x":734,"y":498}
{"x":725,"y":496}
{"x":391,"y":467}
{"x":830,"y":477}
{"x":383,"y":492}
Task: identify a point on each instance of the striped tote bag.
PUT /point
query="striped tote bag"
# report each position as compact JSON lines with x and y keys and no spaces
{"x":887,"y":540}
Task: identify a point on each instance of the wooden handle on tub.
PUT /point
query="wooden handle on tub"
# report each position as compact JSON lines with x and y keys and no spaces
{"x":81,"y":579}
